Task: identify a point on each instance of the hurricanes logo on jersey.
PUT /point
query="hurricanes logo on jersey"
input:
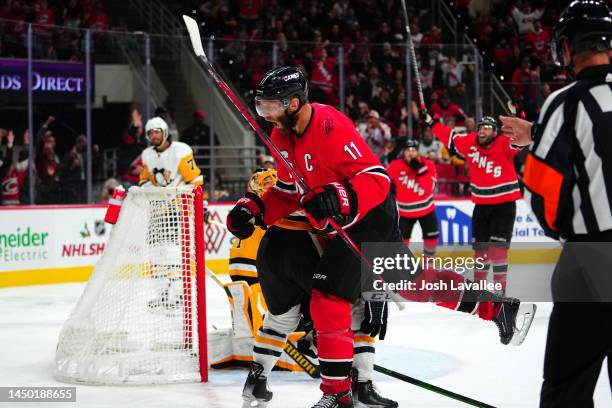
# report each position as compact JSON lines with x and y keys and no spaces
{"x":484,"y":163}
{"x":411,"y":184}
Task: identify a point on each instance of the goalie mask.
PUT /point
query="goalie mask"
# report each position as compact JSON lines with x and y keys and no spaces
{"x":261,"y":180}
{"x":157,"y":123}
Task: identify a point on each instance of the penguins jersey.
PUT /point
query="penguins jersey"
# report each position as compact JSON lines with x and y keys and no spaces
{"x":174,"y":166}
{"x":243,"y":256}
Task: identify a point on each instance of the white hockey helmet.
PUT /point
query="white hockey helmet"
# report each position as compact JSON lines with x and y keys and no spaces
{"x":157,"y":123}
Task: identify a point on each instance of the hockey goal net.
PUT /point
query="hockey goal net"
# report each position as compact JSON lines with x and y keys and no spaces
{"x":141,"y":318}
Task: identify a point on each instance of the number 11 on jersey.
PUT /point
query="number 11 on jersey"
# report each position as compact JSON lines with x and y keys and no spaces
{"x":352,"y":150}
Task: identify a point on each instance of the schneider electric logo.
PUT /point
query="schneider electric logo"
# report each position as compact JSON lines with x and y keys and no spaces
{"x":23,"y":245}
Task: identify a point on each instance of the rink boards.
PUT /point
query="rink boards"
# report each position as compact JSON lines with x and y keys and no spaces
{"x":53,"y":244}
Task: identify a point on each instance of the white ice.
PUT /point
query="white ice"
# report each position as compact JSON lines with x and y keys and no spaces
{"x":448,"y":349}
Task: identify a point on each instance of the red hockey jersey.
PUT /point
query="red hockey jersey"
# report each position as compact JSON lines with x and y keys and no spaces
{"x":492,"y":176}
{"x":415,"y":189}
{"x":330,"y":149}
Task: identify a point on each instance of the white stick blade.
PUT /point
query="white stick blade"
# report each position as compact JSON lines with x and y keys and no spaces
{"x":194,"y":35}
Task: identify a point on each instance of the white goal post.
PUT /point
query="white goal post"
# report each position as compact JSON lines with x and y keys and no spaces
{"x":142,"y":316}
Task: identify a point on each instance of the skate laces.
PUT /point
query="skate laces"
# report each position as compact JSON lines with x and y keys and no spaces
{"x":327,"y":401}
{"x":256,"y":370}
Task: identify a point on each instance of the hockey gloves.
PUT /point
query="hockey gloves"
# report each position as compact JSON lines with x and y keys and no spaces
{"x":375,"y":320}
{"x":418,"y":167}
{"x":247,"y":213}
{"x":428,"y":118}
{"x":333,"y":200}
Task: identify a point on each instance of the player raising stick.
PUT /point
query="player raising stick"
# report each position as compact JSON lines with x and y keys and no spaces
{"x":494,"y":188}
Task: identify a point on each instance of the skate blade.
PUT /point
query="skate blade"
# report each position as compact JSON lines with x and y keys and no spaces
{"x":527,"y":312}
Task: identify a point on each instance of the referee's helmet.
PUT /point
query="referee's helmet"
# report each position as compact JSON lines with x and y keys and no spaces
{"x":585,"y":25}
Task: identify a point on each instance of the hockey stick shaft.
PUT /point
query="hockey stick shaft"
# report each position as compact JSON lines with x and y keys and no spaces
{"x":431,"y":387}
{"x":413,"y":60}
{"x":196,"y":42}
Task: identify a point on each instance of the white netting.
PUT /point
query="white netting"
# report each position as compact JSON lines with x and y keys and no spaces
{"x":136,"y":321}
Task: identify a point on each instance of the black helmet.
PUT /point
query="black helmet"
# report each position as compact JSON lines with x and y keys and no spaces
{"x":412,"y":144}
{"x":283,"y":83}
{"x":489,"y":121}
{"x":586,"y":25}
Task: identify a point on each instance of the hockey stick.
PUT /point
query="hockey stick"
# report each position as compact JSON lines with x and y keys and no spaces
{"x":413,"y":60}
{"x":196,"y":42}
{"x":304,"y":362}
{"x":431,"y":387}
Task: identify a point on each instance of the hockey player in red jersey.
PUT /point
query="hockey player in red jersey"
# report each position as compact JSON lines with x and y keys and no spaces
{"x":348,"y":185}
{"x":494,"y":189}
{"x":415,"y":181}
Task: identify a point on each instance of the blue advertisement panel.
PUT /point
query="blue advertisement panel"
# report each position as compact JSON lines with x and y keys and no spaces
{"x":51,"y":81}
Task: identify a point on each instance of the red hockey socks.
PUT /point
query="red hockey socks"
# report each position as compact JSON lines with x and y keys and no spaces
{"x":499,"y":260}
{"x":331,"y":316}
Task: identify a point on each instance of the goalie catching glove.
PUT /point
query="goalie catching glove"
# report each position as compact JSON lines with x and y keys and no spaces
{"x":375,"y":320}
{"x":333,"y":200}
{"x":247,"y":213}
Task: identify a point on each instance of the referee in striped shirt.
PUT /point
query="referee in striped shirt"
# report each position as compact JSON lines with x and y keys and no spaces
{"x":568,"y":175}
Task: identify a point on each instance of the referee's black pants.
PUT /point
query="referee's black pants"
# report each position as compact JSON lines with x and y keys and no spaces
{"x":579,"y":332}
{"x":579,"y":338}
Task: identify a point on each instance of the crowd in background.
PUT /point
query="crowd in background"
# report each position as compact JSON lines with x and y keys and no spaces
{"x":56,"y":27}
{"x":515,"y":37}
{"x":368,"y":36}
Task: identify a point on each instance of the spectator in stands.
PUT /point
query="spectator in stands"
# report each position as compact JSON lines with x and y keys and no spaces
{"x":416,"y":34}
{"x":99,"y":22}
{"x":447,"y":109}
{"x":322,"y":76}
{"x":267,"y":161}
{"x":107,"y":190}
{"x":132,"y":144}
{"x":538,"y":40}
{"x":387,"y":155}
{"x":43,"y":29}
{"x":48,"y":171}
{"x":524,"y":16}
{"x":382,"y":103}
{"x":15,"y":32}
{"x":13,"y":181}
{"x":375,"y":132}
{"x":460,"y":97}
{"x":526,"y":83}
{"x":7,"y":158}
{"x":364,"y":111}
{"x":429,"y":147}
{"x":470,"y":125}
{"x":74,"y":175}
{"x":198,"y":134}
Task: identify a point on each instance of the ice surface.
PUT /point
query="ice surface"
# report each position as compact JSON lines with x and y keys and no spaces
{"x":448,"y":349}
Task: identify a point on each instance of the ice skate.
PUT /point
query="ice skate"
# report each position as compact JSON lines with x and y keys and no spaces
{"x":365,"y":394}
{"x":514,"y":321}
{"x":256,"y":392}
{"x":342,"y":400}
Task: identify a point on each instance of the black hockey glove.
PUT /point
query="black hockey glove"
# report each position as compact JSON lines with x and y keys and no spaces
{"x":247,"y":213}
{"x":375,"y":320}
{"x":428,"y":118}
{"x":419,"y":167}
{"x":333,"y":200}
